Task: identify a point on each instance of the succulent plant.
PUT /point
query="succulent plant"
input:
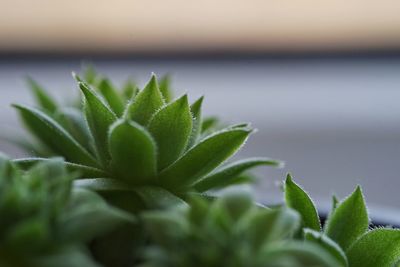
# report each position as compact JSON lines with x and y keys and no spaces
{"x":46,"y":223}
{"x":230,"y":231}
{"x":346,"y":234}
{"x":150,"y":144}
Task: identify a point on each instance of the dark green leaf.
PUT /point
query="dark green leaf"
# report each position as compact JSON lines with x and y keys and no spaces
{"x":43,"y":99}
{"x":133,"y":152}
{"x":112,"y":97}
{"x":88,"y":216}
{"x":66,"y":257}
{"x":225,"y":174}
{"x":204,"y":157}
{"x":99,"y":118}
{"x":349,"y":220}
{"x":298,"y":199}
{"x":54,"y":136}
{"x":165,"y":88}
{"x":328,"y":244}
{"x":171,"y":127}
{"x":74,"y":122}
{"x":378,"y":247}
{"x":195,"y":108}
{"x":146,"y":103}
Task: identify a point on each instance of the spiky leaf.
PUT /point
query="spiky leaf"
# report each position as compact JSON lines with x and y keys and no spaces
{"x":226,"y":174}
{"x":43,"y":99}
{"x":378,"y":247}
{"x":133,"y":152}
{"x":349,"y":220}
{"x":204,"y":157}
{"x":171,"y":127}
{"x":52,"y":134}
{"x":99,"y":118}
{"x":146,"y":103}
{"x":298,"y":199}
{"x":112,"y":97}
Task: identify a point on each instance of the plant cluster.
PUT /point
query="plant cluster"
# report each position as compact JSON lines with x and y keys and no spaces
{"x":137,"y":187}
{"x":44,"y":222}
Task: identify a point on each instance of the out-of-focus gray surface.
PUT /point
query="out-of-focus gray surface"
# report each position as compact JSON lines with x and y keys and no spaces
{"x":336,"y":123}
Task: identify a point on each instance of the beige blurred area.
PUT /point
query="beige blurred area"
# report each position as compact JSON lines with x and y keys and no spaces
{"x":177,"y":25}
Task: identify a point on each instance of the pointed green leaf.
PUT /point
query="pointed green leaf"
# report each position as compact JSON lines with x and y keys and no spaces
{"x":171,"y":127}
{"x":112,"y":97}
{"x":90,"y":74}
{"x":165,"y":88}
{"x":54,"y":136}
{"x":195,"y":108}
{"x":208,"y":124}
{"x":328,"y":244}
{"x":43,"y":99}
{"x":204,"y":157}
{"x":298,"y":199}
{"x":99,"y":118}
{"x":129,"y":90}
{"x":74,"y":122}
{"x":378,"y":247}
{"x":103,"y":185}
{"x":133,"y":152}
{"x":225,"y":174}
{"x":146,"y":103}
{"x":82,"y":170}
{"x":349,"y":220}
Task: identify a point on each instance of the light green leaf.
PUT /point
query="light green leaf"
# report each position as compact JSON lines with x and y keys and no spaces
{"x":146,"y":103}
{"x":43,"y":99}
{"x":112,"y":97}
{"x":225,"y":174}
{"x":129,"y":90}
{"x":349,"y":220}
{"x":298,"y":199}
{"x":99,"y":118}
{"x":204,"y":157}
{"x":54,"y":136}
{"x":378,"y":247}
{"x":195,"y":108}
{"x":208,"y":124}
{"x":165,"y":88}
{"x":270,"y":225}
{"x":303,"y":253}
{"x":328,"y":244}
{"x":171,"y":127}
{"x":133,"y":152}
{"x":82,"y":170}
{"x":103,"y":185}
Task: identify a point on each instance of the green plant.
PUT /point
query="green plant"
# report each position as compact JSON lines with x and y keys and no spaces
{"x":46,"y":223}
{"x":138,"y":142}
{"x":346,"y":234}
{"x":230,"y":231}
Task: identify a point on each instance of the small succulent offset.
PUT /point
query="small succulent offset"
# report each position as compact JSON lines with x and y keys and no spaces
{"x":231,"y":231}
{"x":46,"y":223}
{"x":139,"y":141}
{"x":346,"y":234}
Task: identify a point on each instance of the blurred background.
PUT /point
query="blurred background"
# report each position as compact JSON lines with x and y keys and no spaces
{"x":319,"y":79}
